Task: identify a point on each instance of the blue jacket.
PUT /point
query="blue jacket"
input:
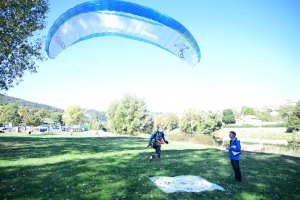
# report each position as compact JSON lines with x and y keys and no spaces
{"x":235,"y":149}
{"x":158,"y":137}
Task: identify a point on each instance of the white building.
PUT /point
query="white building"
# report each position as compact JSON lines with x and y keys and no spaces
{"x":248,"y":119}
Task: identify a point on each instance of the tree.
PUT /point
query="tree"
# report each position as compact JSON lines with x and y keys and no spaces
{"x":248,"y":111}
{"x":91,"y":114}
{"x":297,"y":109}
{"x":159,"y":121}
{"x":265,"y":116}
{"x":293,"y":123}
{"x":236,"y":113}
{"x":29,"y":119}
{"x":110,"y":114}
{"x":9,"y":114}
{"x":34,"y":120}
{"x":95,"y":125}
{"x":43,"y":114}
{"x":172,"y":122}
{"x":228,"y":117}
{"x":210,"y":123}
{"x":190,"y":120}
{"x":24,"y":115}
{"x":21,"y":45}
{"x":57,"y":117}
{"x":128,"y":116}
{"x":72,"y":115}
{"x":286,"y":111}
{"x":148,"y":124}
{"x":33,"y":111}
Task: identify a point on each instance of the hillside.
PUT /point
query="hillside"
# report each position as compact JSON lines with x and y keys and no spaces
{"x":4,"y":99}
{"x":92,"y":114}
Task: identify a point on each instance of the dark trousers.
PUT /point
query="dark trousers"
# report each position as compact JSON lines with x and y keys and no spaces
{"x":236,"y":168}
{"x":157,"y":148}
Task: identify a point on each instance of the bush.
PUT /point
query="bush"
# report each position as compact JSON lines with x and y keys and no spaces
{"x":178,"y":136}
{"x":199,"y":138}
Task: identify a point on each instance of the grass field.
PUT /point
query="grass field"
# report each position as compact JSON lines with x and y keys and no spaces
{"x":260,"y":134}
{"x":85,"y":166}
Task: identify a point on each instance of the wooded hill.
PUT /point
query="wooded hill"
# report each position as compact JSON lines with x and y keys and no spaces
{"x":4,"y":100}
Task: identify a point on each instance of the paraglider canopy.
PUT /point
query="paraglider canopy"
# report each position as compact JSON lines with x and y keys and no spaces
{"x":124,"y":19}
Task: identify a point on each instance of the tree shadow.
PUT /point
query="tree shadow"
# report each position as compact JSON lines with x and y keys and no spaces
{"x":111,"y":168}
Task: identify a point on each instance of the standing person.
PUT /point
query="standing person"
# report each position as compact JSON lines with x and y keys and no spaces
{"x":71,"y":131}
{"x":156,"y":140}
{"x":234,"y":155}
{"x":96,"y":132}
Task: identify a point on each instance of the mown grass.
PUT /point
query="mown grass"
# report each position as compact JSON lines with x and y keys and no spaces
{"x":83,"y":166}
{"x":260,"y":134}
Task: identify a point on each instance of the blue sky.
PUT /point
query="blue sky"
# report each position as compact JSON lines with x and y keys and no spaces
{"x":250,"y":56}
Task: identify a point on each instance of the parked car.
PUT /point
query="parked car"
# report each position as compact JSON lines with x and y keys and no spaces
{"x":55,"y":127}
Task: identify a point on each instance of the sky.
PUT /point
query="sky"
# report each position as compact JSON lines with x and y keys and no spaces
{"x":250,"y":56}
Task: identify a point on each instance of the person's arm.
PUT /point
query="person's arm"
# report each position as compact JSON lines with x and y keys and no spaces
{"x":166,"y":141}
{"x":150,"y":139}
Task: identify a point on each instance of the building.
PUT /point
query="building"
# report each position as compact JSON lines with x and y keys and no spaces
{"x":248,"y":119}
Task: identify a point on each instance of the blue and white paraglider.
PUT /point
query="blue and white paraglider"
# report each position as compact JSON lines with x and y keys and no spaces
{"x":124,"y":19}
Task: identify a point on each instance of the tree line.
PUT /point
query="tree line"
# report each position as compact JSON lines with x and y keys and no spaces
{"x":24,"y":116}
{"x":129,"y":116}
{"x":289,"y":116}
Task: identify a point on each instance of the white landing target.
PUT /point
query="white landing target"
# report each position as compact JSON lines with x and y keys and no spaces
{"x":184,"y":184}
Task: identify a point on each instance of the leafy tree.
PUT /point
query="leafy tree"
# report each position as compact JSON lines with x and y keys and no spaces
{"x":265,"y":116}
{"x":28,"y":119}
{"x":248,"y":111}
{"x":269,"y":110}
{"x":128,"y":116}
{"x":57,"y":117}
{"x":21,"y":45}
{"x":297,"y":109}
{"x":9,"y":114}
{"x":210,"y":123}
{"x":194,"y":121}
{"x":95,"y":125}
{"x":43,"y":114}
{"x":148,"y":124}
{"x":236,"y":113}
{"x":228,"y":117}
{"x":33,"y":111}
{"x":24,"y":115}
{"x":110,"y":114}
{"x":35,"y":121}
{"x":293,"y":123}
{"x":172,"y":122}
{"x":104,"y":125}
{"x":286,"y":111}
{"x":190,"y":120}
{"x":72,"y":115}
{"x":159,"y":121}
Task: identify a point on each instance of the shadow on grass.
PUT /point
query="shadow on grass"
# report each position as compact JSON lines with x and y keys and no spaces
{"x":117,"y":168}
{"x":42,"y":147}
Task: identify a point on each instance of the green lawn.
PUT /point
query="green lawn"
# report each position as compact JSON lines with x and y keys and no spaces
{"x":84,"y":166}
{"x":260,"y":134}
